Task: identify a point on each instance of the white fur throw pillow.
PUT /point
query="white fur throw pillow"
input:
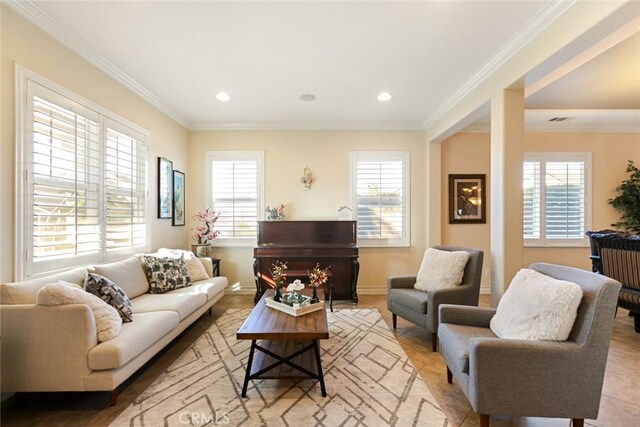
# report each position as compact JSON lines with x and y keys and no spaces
{"x":108,"y":321}
{"x":537,"y":307}
{"x":441,"y":269}
{"x":194,"y":265}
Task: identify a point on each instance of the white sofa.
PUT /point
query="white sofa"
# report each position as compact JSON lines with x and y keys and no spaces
{"x":54,"y":348}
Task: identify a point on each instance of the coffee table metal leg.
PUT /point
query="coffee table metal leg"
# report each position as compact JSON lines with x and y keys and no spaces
{"x":247,"y":375}
{"x":316,"y":349}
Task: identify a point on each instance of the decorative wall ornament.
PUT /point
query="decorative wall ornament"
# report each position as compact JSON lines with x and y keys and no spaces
{"x":165,"y":188}
{"x":467,"y":204}
{"x":307,"y":178}
{"x":178,"y":198}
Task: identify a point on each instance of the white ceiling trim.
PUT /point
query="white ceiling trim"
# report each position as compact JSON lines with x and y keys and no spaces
{"x":52,"y":26}
{"x":545,"y":17}
{"x":304,"y":126}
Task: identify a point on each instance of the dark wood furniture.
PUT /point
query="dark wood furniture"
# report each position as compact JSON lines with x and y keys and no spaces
{"x":302,"y":244}
{"x":286,"y":342}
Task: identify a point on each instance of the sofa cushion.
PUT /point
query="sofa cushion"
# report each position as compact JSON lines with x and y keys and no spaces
{"x":210,"y":287}
{"x":454,"y":340}
{"x":128,"y":274}
{"x":165,"y":273}
{"x":135,"y":337}
{"x":441,"y":269}
{"x":537,"y":307}
{"x":25,"y":292}
{"x":110,"y":293}
{"x":192,"y":262}
{"x":410,"y":298}
{"x":183,"y":301}
{"x":108,"y":321}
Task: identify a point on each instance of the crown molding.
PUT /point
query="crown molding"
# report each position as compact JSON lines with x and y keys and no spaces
{"x":545,"y":17}
{"x":199,"y":126}
{"x":73,"y":41}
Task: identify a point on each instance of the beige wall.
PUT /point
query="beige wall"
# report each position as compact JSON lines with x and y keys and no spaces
{"x":24,"y":44}
{"x":327,"y":154}
{"x":470,"y":153}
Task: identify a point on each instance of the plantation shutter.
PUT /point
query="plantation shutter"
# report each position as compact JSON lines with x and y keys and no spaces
{"x":564,"y":200}
{"x":555,"y":187}
{"x":380,"y":194}
{"x":235,"y":195}
{"x":63,"y":181}
{"x":531,"y":207}
{"x":125,"y":188}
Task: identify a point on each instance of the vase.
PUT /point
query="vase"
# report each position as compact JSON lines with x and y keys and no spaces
{"x":201,"y":250}
{"x":277,"y":296}
{"x":314,"y":298}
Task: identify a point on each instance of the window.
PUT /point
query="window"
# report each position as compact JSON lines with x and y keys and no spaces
{"x":235,"y":187}
{"x":380,"y":195}
{"x":83,"y":192}
{"x":556,"y":198}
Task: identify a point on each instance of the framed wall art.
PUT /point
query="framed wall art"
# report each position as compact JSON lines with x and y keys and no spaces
{"x":165,"y":188}
{"x":467,"y":204}
{"x":178,"y":198}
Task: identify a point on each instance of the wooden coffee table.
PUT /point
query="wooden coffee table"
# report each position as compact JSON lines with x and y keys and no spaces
{"x":289,"y":346}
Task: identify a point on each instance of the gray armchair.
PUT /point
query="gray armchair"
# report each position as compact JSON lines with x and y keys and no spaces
{"x":421,"y":307}
{"x":533,"y":378}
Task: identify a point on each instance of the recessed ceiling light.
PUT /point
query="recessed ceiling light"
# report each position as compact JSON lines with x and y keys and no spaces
{"x":384,"y":96}
{"x":223,"y":97}
{"x":308,"y":97}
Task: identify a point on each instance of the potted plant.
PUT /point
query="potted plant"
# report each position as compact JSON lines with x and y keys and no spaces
{"x":205,"y":233}
{"x":627,"y":202}
{"x":317,"y":277}
{"x":278,"y":275}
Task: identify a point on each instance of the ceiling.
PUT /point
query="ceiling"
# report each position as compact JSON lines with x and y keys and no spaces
{"x":179,"y":54}
{"x":267,"y":54}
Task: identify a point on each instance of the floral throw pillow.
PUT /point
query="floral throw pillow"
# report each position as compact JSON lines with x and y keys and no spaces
{"x":110,"y":293}
{"x":165,"y":274}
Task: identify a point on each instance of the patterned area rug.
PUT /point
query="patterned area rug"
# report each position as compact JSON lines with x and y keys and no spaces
{"x":370,"y":382}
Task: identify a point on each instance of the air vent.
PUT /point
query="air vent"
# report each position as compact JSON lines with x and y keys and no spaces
{"x":560,"y":119}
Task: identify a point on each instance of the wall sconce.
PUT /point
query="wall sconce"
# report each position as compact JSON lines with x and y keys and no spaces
{"x":307,"y":178}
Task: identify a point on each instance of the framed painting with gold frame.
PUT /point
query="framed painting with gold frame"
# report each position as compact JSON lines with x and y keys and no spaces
{"x":467,"y":202}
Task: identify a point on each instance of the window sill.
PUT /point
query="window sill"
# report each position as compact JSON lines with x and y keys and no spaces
{"x":557,"y":246}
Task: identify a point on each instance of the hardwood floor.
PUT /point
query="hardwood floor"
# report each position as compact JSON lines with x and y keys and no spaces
{"x":620,"y":405}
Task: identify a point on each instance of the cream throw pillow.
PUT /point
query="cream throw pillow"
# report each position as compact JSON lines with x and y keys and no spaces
{"x":441,"y":269}
{"x":194,"y":265}
{"x":108,"y":321}
{"x":537,"y":307}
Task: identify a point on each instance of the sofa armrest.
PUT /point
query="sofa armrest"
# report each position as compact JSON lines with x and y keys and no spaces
{"x":466,"y":315}
{"x":400,"y":282}
{"x":44,"y":348}
{"x":208,"y":264}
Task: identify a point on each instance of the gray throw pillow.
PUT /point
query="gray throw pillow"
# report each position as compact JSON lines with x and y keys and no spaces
{"x":110,"y":293}
{"x":165,"y":274}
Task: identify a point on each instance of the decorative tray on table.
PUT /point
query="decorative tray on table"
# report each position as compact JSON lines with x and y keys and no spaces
{"x":300,"y":310}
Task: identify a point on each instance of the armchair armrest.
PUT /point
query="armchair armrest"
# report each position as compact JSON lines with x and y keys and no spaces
{"x":45,"y":348}
{"x":400,"y":282}
{"x":208,"y":264}
{"x":466,"y":315}
{"x":563,"y":370}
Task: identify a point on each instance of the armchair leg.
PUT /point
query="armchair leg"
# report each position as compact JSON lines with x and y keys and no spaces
{"x":394,"y":318}
{"x":578,"y":422}
{"x":449,"y":376}
{"x":114,"y":396}
{"x":484,"y":420}
{"x":434,"y":342}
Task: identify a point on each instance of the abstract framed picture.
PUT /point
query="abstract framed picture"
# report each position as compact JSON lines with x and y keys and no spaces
{"x":178,"y":198}
{"x":467,"y":203}
{"x":165,"y":188}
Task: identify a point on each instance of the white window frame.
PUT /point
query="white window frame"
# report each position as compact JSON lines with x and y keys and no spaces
{"x":405,"y":156}
{"x":257,"y":156}
{"x":543,"y":157}
{"x":23,"y":207}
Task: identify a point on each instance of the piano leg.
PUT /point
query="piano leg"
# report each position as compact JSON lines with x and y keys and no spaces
{"x":354,"y":280}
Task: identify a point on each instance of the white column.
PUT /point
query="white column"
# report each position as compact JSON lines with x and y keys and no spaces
{"x":507,"y":154}
{"x":433,"y":196}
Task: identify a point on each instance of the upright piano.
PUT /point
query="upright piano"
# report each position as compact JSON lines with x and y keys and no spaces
{"x":302,"y":244}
